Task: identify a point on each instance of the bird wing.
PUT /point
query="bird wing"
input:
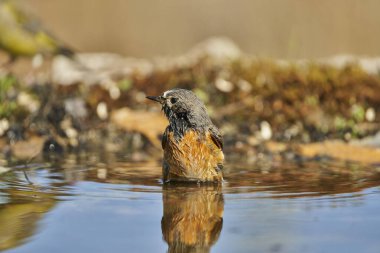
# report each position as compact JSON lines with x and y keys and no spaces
{"x":216,"y":136}
{"x":165,"y":137}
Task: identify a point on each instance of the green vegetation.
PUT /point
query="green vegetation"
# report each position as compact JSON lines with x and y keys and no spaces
{"x":8,"y":91}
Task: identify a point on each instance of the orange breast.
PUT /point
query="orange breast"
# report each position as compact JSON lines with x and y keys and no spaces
{"x":194,"y":157}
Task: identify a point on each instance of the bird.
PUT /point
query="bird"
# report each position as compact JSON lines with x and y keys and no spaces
{"x":21,"y":34}
{"x":192,"y":144}
{"x":192,"y":218}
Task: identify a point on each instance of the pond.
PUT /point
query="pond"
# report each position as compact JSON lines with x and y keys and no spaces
{"x":106,"y":203}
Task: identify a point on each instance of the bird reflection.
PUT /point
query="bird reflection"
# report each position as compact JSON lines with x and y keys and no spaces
{"x":193,"y":217}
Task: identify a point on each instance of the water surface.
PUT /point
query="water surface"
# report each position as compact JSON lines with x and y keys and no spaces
{"x":94,"y":204}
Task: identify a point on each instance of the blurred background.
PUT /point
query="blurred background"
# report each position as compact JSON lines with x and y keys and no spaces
{"x":293,"y":86}
{"x":288,"y":29}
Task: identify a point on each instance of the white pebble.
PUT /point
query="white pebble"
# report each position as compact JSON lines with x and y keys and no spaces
{"x":102,"y":110}
{"x":102,"y":173}
{"x":265,"y":130}
{"x":244,"y":85}
{"x":4,"y":169}
{"x":37,"y":61}
{"x":370,"y":114}
{"x":27,"y":101}
{"x":71,"y":132}
{"x":224,"y":85}
{"x":114,"y":92}
{"x":4,"y":126}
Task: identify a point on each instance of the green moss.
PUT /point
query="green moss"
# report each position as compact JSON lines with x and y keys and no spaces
{"x":312,"y":100}
{"x":358,"y":113}
{"x":125,"y":84}
{"x":202,"y":95}
{"x":7,"y":109}
{"x":8,"y":105}
{"x":6,"y":83}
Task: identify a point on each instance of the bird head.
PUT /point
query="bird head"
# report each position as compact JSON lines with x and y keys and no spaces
{"x":183,"y":105}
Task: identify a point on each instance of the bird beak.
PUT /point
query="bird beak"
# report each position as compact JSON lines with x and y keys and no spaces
{"x":158,"y":99}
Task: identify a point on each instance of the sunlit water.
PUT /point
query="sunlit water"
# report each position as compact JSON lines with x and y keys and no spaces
{"x":90,"y":205}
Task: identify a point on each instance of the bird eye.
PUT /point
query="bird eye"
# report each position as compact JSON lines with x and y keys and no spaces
{"x":173,"y":100}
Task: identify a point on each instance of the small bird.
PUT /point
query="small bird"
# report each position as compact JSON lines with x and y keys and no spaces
{"x":22,"y":35}
{"x":192,"y":144}
{"x":192,"y":217}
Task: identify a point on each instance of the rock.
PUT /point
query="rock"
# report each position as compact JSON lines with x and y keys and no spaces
{"x":76,"y":107}
{"x":370,"y":114}
{"x":97,"y":68}
{"x":265,"y":130}
{"x":150,"y":124}
{"x":369,"y":65}
{"x":16,"y":132}
{"x":27,"y":101}
{"x":224,"y":85}
{"x":275,"y":147}
{"x":65,"y":72}
{"x":52,"y":146}
{"x":101,"y":68}
{"x":4,"y":126}
{"x":28,"y":149}
{"x":56,"y":113}
{"x":370,"y":141}
{"x":341,"y":150}
{"x":4,"y":170}
{"x":102,"y":111}
{"x":217,"y":48}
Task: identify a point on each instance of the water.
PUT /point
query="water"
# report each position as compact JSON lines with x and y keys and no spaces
{"x":97,"y":204}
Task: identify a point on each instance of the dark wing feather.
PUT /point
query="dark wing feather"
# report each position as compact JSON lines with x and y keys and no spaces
{"x":165,"y":137}
{"x":216,"y":137}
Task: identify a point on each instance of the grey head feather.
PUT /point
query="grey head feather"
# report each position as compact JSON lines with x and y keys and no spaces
{"x":185,"y":110}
